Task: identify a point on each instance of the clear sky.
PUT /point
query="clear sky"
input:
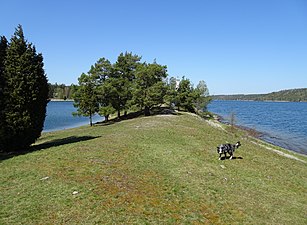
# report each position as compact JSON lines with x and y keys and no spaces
{"x":236,"y":46}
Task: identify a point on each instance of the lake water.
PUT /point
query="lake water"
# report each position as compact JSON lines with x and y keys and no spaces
{"x":59,"y":117}
{"x":281,"y":123}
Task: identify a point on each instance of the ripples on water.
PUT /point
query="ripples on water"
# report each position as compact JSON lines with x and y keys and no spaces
{"x":59,"y":117}
{"x":282,"y":123}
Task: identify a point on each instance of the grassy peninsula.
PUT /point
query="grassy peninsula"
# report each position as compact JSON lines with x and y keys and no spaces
{"x":162,"y":169}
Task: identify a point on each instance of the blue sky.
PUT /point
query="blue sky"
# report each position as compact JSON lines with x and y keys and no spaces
{"x":236,"y":46}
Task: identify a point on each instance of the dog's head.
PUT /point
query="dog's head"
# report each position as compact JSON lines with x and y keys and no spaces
{"x":238,"y":144}
{"x":220,"y":149}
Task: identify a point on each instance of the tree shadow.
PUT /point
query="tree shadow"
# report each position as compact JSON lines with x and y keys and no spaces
{"x":153,"y":112}
{"x":129,"y":116}
{"x":228,"y":157}
{"x":46,"y":145}
{"x":164,"y":111}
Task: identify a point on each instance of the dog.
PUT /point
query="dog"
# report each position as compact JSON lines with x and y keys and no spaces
{"x":227,"y":148}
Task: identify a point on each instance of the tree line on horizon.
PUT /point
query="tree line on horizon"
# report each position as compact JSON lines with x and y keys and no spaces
{"x":131,"y":85}
{"x":291,"y":95}
{"x":61,"y":91}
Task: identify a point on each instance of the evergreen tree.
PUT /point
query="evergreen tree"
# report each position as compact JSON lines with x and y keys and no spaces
{"x":202,"y":96}
{"x":186,"y":95}
{"x":171,"y":97}
{"x":86,"y":98}
{"x":102,"y":71}
{"x":25,"y":94}
{"x":150,"y":87}
{"x":3,"y":48}
{"x":106,"y":95}
{"x":123,"y":77}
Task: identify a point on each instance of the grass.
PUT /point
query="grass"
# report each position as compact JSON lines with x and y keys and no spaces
{"x":162,"y":169}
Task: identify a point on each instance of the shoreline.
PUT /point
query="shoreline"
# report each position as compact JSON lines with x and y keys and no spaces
{"x":248,"y":100}
{"x":60,"y":100}
{"x":258,"y":135}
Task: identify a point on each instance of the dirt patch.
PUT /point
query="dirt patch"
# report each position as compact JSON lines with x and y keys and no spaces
{"x":279,"y":152}
{"x":214,"y":123}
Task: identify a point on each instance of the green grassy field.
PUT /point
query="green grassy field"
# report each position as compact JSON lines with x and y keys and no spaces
{"x":162,"y":169}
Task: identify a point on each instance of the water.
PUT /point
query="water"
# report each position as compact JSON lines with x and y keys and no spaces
{"x":281,"y":123}
{"x":59,"y":117}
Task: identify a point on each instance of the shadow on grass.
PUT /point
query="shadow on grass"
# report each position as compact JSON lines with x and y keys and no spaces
{"x":234,"y":157}
{"x":153,"y":112}
{"x":48,"y":144}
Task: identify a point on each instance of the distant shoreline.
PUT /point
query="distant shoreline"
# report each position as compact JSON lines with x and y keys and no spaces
{"x":60,"y":100}
{"x":290,"y":95}
{"x":247,"y":100}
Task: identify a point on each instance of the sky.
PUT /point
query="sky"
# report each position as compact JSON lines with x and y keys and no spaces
{"x":235,"y":46}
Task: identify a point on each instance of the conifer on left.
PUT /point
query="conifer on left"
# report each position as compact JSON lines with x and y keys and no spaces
{"x":25,"y":94}
{"x":3,"y":48}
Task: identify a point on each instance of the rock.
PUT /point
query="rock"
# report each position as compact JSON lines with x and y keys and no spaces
{"x":44,"y":178}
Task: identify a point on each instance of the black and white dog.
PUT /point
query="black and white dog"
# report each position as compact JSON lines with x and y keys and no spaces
{"x":227,"y":148}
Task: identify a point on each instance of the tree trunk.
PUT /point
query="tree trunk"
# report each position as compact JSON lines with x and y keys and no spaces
{"x":118,"y":114}
{"x":106,"y":118}
{"x":91,"y":121}
{"x":146,"y":111}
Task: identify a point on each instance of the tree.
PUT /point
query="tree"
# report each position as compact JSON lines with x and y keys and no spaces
{"x":102,"y":71}
{"x":186,"y":95}
{"x":86,"y":98}
{"x":3,"y":49}
{"x":123,"y":76}
{"x":150,"y":87}
{"x":202,"y":96}
{"x":171,"y":97}
{"x":25,"y":94}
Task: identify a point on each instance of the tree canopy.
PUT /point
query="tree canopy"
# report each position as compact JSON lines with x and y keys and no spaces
{"x":129,"y":84}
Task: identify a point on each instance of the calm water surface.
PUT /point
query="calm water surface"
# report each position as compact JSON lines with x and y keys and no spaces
{"x":59,"y":117}
{"x":282,"y":123}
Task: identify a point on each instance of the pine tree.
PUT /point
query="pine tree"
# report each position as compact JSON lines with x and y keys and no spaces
{"x":123,"y":77}
{"x":86,"y":97}
{"x":25,"y":93}
{"x":202,"y":96}
{"x":171,"y":97}
{"x":106,"y":93}
{"x":186,"y":95}
{"x":150,"y":88}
